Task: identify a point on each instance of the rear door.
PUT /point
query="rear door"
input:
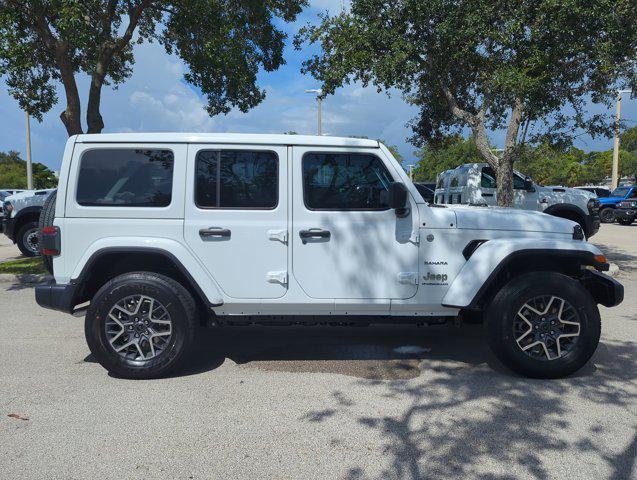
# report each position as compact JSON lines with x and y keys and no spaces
{"x":236,"y":217}
{"x":488,"y":186}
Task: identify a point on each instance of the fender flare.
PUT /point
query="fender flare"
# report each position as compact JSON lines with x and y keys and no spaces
{"x":174,"y":252}
{"x":489,"y":259}
{"x":566,"y":207}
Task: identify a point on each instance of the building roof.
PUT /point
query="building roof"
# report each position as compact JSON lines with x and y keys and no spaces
{"x":228,"y":138}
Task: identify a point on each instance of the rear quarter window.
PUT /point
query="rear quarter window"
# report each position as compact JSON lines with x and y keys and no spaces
{"x":125,"y":177}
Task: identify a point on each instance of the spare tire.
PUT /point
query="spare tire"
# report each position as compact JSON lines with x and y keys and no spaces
{"x":47,"y":215}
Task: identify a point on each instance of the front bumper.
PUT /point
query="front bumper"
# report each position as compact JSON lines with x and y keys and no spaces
{"x":625,"y":213}
{"x":8,"y":227}
{"x":56,"y":297}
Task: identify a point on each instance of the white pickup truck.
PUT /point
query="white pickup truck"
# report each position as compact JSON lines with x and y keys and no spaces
{"x":475,"y":184}
{"x":158,"y":235}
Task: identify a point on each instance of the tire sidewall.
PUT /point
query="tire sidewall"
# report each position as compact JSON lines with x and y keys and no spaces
{"x":607,"y":215}
{"x":99,"y":345}
{"x":509,"y":301}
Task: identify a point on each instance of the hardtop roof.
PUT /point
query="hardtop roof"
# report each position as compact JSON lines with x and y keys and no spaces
{"x":228,"y":138}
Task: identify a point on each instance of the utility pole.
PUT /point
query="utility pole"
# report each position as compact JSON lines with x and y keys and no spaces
{"x":318,"y":92}
{"x":29,"y":165}
{"x":411,"y":171}
{"x":615,"y":170}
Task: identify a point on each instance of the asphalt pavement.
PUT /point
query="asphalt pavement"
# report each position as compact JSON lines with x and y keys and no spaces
{"x":318,"y":403}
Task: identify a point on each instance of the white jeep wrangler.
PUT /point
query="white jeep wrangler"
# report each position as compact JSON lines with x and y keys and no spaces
{"x":475,"y":184}
{"x":160,"y":234}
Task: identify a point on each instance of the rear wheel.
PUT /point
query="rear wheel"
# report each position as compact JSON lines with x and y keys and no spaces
{"x":543,"y":325}
{"x":141,"y":325}
{"x":27,"y":239}
{"x":607,"y":215}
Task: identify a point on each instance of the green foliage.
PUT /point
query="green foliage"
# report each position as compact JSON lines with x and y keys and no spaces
{"x":13,"y":173}
{"x":224,"y":44}
{"x":483,"y":65}
{"x":547,"y":164}
{"x":628,"y":139}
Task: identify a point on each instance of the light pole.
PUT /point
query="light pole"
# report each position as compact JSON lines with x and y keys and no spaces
{"x":411,"y":171}
{"x":615,"y":171}
{"x":318,"y":92}
{"x":29,"y":165}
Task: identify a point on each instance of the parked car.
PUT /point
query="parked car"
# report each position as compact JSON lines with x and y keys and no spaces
{"x":609,"y":204}
{"x":427,"y":190}
{"x":626,"y":211}
{"x":164,"y":233}
{"x":600,"y":192}
{"x":21,"y":212}
{"x":475,"y":184}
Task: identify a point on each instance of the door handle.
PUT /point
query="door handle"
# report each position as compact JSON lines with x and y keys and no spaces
{"x":314,"y":233}
{"x":487,"y":194}
{"x":214,"y":232}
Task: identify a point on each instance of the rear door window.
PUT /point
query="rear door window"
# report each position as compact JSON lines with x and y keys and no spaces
{"x":125,"y":177}
{"x":242,"y":179}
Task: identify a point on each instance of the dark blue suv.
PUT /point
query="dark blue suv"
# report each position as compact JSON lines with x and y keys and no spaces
{"x":609,"y":204}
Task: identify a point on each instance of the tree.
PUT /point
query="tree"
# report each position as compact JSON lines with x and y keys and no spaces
{"x":13,"y":172}
{"x":224,"y":43}
{"x":436,"y":158}
{"x":485,"y":65}
{"x":628,"y":139}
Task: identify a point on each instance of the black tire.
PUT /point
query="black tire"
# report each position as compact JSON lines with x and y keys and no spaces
{"x":625,"y":221}
{"x":508,"y":303}
{"x":26,"y":241}
{"x":607,"y":215}
{"x":47,"y":215}
{"x":178,"y":303}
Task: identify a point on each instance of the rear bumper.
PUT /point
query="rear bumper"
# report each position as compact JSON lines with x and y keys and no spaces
{"x":56,"y":297}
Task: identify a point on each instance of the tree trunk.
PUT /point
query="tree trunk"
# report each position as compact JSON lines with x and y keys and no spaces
{"x":71,"y":116}
{"x":94,"y":119}
{"x":504,"y":179}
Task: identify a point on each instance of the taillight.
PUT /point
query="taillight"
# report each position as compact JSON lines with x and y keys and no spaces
{"x":50,"y":242}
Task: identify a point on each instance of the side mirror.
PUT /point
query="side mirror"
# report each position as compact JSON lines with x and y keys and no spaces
{"x":398,"y":196}
{"x":528,"y":185}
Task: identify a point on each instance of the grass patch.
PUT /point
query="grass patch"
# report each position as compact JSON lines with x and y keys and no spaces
{"x":23,"y":266}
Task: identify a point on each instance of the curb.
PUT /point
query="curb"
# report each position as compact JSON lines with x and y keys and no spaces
{"x":25,"y":278}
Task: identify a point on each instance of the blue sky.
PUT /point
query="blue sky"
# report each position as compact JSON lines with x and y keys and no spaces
{"x":155,"y":98}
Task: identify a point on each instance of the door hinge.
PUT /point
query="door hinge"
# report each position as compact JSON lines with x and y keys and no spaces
{"x":408,"y":278}
{"x":415,"y":237}
{"x":277,"y":277}
{"x":280,"y":235}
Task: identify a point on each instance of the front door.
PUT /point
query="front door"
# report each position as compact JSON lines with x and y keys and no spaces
{"x":236,"y":217}
{"x":347,"y":243}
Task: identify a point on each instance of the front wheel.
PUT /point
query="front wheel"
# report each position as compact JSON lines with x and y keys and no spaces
{"x":28,"y":241}
{"x":141,"y":325}
{"x":607,"y":215}
{"x":543,"y":325}
{"x":625,"y":221}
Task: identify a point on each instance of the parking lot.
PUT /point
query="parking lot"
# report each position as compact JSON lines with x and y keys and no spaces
{"x":357,"y":403}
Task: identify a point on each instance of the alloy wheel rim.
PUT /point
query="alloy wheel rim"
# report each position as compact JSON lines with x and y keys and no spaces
{"x":546,"y":327}
{"x":138,"y":327}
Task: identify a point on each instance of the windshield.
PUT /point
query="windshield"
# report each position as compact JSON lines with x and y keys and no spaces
{"x":620,"y":192}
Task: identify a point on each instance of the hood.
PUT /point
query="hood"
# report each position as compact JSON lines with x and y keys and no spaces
{"x":511,"y":219}
{"x":28,"y":198}
{"x":557,"y":194}
{"x":606,"y":200}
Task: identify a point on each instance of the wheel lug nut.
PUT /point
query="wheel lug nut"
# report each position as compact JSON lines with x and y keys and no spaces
{"x":136,"y":335}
